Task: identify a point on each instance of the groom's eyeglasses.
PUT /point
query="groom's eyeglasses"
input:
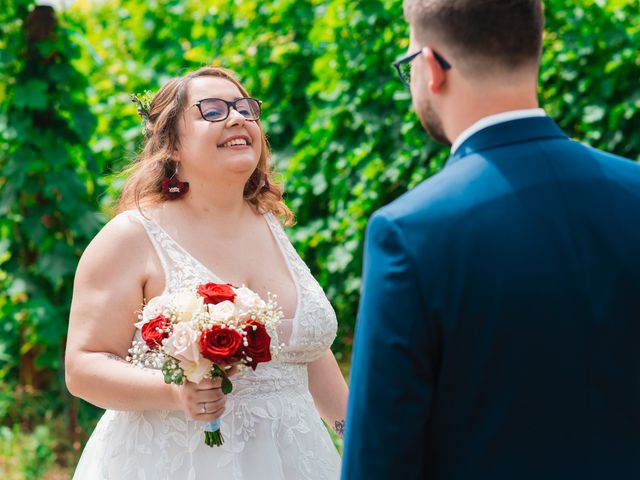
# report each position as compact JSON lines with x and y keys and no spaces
{"x":403,"y":66}
{"x":217,"y":109}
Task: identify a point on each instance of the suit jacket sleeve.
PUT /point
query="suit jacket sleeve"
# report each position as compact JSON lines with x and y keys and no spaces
{"x":392,"y":376}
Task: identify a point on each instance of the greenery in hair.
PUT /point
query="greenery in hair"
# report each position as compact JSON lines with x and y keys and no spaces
{"x":143,"y":103}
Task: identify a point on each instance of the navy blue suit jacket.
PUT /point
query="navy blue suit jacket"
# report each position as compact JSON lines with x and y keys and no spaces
{"x":498,"y":335}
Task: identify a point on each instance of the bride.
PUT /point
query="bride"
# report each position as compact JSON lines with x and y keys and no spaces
{"x":200,"y":206}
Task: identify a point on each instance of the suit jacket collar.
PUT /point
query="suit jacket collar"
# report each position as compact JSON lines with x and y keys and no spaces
{"x":508,"y":133}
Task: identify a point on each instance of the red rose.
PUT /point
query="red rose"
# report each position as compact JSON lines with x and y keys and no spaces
{"x":259,"y":344}
{"x":220,"y":345}
{"x":214,"y":293}
{"x":155,"y":330}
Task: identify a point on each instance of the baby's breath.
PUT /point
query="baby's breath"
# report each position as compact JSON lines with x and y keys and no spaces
{"x":142,"y":356}
{"x":172,"y":371}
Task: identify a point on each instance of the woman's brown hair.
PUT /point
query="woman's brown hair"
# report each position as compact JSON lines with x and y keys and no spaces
{"x":143,"y":186}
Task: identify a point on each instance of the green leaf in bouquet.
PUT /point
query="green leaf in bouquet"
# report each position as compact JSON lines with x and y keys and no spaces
{"x":217,"y":371}
{"x":227,"y":386}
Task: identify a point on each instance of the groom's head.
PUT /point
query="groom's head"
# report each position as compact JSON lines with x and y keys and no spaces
{"x":469,"y":48}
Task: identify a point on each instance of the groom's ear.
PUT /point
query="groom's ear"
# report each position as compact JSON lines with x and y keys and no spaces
{"x":437,"y":75}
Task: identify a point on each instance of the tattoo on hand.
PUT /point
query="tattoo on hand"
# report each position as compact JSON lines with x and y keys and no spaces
{"x":338,"y":427}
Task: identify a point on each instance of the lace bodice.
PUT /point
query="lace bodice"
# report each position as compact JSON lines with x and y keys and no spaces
{"x":305,"y":337}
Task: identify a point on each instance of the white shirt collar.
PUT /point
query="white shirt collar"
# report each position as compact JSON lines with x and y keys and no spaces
{"x":494,"y":120}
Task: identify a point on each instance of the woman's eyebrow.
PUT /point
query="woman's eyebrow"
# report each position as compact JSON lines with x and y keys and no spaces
{"x":237,"y":97}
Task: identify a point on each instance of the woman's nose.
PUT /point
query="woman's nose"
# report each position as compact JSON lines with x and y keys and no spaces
{"x":235,"y":118}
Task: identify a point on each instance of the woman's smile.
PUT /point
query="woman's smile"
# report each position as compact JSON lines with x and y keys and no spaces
{"x":236,"y":142}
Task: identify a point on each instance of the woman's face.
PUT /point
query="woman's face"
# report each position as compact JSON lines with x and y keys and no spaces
{"x":205,"y":149}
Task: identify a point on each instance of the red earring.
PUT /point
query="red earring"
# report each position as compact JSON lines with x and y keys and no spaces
{"x":172,"y":188}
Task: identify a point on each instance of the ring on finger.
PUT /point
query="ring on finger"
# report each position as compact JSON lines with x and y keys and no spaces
{"x":204,"y":407}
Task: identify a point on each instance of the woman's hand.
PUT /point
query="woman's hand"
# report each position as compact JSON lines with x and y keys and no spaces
{"x":203,"y":401}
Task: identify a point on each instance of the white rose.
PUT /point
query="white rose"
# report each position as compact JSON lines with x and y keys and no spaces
{"x":223,"y":312}
{"x":154,"y":307}
{"x":196,"y":371}
{"x":247,"y":300}
{"x":183,"y":343}
{"x":187,"y":304}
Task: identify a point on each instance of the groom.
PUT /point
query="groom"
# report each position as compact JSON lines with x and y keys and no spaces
{"x":499,"y":327}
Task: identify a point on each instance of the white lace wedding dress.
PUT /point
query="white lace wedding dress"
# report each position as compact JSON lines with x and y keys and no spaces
{"x":271,"y":427}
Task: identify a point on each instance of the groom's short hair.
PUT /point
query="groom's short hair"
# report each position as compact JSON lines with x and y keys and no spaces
{"x":481,"y":34}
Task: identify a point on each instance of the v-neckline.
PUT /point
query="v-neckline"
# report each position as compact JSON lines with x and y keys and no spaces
{"x":217,"y":279}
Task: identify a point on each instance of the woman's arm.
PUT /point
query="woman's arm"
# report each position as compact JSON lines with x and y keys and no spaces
{"x":108,"y":293}
{"x":329,"y":390}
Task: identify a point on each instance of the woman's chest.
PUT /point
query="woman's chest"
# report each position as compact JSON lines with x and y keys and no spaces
{"x":251,"y":256}
{"x":260,"y":266}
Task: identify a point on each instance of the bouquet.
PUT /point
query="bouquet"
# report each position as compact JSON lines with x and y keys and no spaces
{"x":197,"y":334}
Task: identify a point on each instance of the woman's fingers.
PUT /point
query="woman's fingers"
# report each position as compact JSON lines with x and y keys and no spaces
{"x":206,"y":405}
{"x":218,"y":397}
{"x":208,"y":383}
{"x":205,"y":401}
{"x":208,"y":411}
{"x":201,"y":392}
{"x":212,"y":408}
{"x":209,"y":416}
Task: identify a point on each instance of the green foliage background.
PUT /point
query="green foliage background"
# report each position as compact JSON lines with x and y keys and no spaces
{"x":340,"y":125}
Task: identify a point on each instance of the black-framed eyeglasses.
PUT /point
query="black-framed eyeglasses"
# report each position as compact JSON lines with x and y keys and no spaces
{"x":217,"y":109}
{"x":403,"y":66}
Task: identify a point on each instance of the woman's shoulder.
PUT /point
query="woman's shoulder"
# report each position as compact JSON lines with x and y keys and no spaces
{"x":126,"y":226}
{"x":139,"y":215}
{"x":122,"y":239}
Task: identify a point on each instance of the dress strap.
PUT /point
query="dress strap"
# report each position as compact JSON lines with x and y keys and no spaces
{"x":182,"y":270}
{"x":291,"y":256}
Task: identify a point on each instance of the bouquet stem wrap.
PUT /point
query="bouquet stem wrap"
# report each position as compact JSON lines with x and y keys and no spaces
{"x":212,"y":434}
